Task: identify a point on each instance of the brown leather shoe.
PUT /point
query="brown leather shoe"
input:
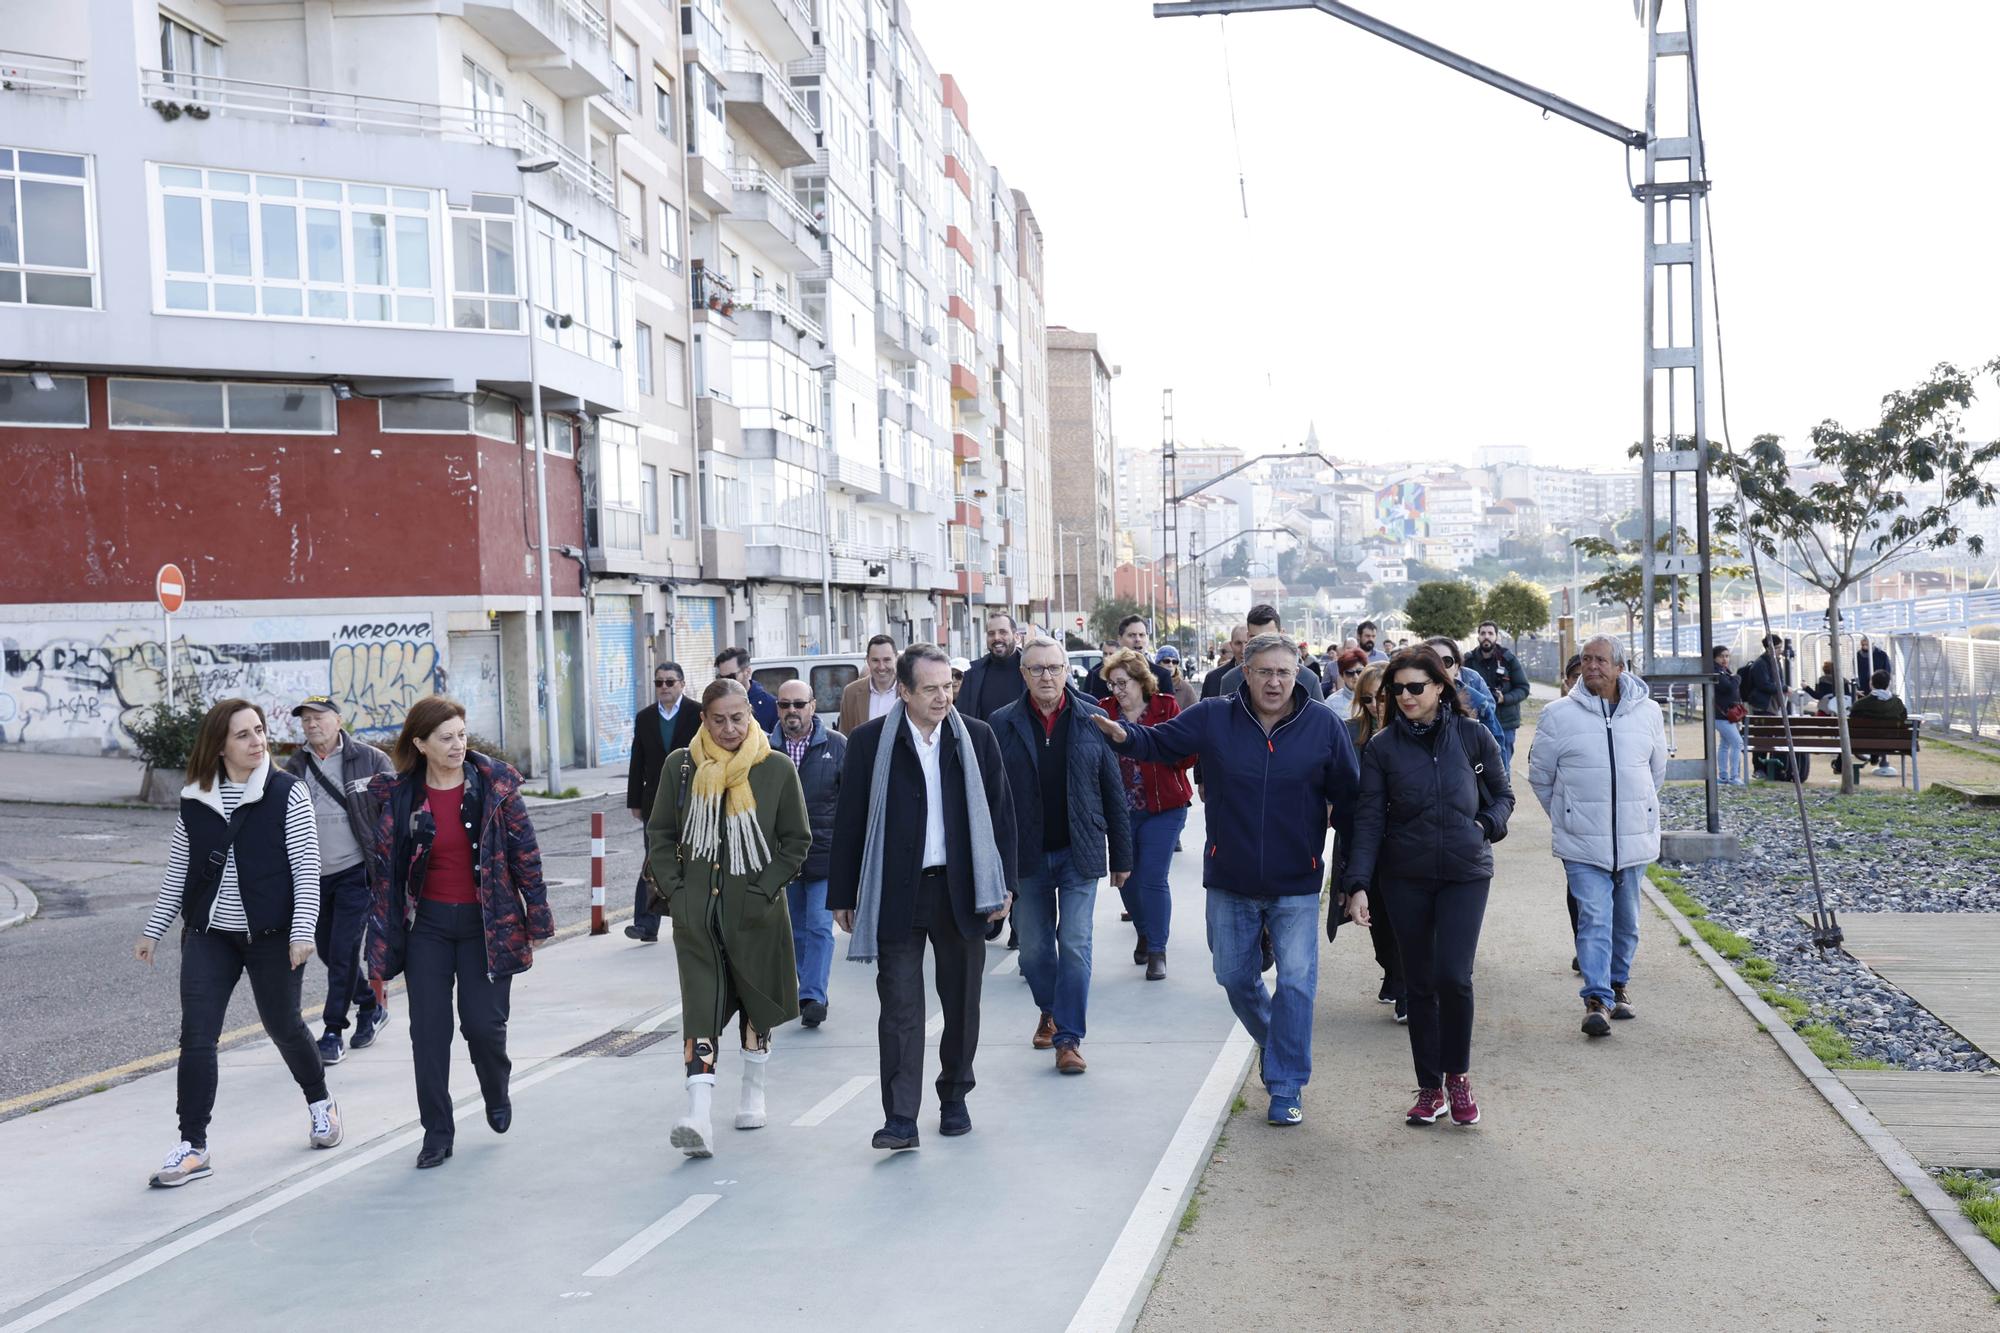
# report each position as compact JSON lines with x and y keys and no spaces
{"x":1045,"y":1032}
{"x":1069,"y":1060}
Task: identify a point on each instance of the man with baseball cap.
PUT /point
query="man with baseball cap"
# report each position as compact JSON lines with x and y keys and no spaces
{"x":335,"y":769}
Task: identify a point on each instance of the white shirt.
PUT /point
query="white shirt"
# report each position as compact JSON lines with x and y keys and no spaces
{"x":880,"y":704}
{"x":930,"y":758}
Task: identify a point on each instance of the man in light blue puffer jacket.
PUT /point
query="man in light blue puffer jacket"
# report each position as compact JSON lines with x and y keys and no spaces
{"x":1597,"y":765}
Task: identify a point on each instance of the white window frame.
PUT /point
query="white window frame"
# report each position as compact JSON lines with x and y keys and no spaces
{"x":84,"y":424}
{"x":486,"y":296}
{"x":678,"y":489}
{"x":670,"y":235}
{"x":206,"y":50}
{"x":666,"y":109}
{"x":10,"y":179}
{"x":486,"y":96}
{"x":649,"y":499}
{"x":111,"y":421}
{"x":159,"y":191}
{"x":642,"y":357}
{"x":626,"y":93}
{"x":561,"y":434}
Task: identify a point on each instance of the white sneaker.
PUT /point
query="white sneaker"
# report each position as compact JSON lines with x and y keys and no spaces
{"x":186,"y":1162}
{"x":325,"y":1124}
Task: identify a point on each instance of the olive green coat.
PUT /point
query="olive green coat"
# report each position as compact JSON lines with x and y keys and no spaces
{"x":732,"y":933}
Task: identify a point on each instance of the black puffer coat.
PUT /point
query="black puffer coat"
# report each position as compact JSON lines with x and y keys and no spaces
{"x":1424,"y":812}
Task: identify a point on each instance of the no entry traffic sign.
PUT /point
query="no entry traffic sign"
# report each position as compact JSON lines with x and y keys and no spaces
{"x":170,"y":588}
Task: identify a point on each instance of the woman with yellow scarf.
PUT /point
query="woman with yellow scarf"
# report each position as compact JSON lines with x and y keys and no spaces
{"x":728,"y":832}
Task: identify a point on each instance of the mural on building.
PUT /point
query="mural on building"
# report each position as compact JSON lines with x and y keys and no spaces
{"x":76,"y":686}
{"x":1399,"y":509}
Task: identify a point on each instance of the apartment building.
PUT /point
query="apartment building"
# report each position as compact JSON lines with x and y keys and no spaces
{"x":1082,"y":454}
{"x":1035,"y":550}
{"x":286,"y":286}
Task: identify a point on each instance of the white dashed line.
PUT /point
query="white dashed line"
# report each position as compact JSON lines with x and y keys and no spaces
{"x":637,"y":1248}
{"x":823,"y":1109}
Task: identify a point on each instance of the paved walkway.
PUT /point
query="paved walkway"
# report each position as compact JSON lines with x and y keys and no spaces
{"x":68,"y":779}
{"x":1678,"y":1174}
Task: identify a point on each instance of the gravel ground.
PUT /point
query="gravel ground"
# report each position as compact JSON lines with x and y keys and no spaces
{"x":1878,"y":852}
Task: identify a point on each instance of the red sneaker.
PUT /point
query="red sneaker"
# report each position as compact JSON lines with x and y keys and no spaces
{"x":1464,"y":1111}
{"x":1430,"y":1106}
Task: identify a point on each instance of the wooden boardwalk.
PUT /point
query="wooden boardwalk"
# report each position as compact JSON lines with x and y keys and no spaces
{"x":1949,"y":962}
{"x":1943,"y":1119}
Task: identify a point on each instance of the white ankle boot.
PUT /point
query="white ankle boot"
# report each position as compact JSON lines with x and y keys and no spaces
{"x":750,"y":1106}
{"x":693,"y":1133}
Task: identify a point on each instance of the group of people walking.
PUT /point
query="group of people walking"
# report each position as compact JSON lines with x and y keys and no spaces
{"x":959,"y":796}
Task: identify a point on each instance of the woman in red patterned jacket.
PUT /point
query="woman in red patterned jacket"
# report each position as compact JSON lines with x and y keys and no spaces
{"x":462,"y":902}
{"x":1158,"y":796}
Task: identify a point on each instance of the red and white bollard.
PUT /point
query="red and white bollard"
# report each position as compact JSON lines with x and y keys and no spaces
{"x":597,"y":926}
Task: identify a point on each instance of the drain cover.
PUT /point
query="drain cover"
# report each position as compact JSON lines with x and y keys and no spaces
{"x":617,"y":1042}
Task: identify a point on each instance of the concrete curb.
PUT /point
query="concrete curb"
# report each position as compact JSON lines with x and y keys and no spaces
{"x":18,"y":903}
{"x":1982,"y":1253}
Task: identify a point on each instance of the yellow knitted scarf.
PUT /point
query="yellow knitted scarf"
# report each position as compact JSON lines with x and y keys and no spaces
{"x":720,"y":797}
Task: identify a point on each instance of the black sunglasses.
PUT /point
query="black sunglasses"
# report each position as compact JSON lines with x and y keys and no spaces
{"x":658,"y":683}
{"x":795,"y":703}
{"x":1351,"y":671}
{"x":1410,"y":687}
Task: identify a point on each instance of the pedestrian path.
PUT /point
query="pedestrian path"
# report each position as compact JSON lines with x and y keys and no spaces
{"x":1055,"y":1204}
{"x":1679,"y":1174}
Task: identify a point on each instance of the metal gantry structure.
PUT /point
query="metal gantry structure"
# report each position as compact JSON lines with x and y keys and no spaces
{"x":1674,"y":450}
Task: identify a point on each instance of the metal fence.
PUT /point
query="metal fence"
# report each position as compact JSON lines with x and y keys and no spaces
{"x":1956,"y":680}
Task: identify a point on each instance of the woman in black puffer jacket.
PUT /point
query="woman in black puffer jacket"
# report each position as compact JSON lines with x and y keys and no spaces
{"x":1434,"y":798}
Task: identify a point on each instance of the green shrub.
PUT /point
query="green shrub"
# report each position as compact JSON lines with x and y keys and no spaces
{"x":491,"y":749}
{"x":164,"y":736}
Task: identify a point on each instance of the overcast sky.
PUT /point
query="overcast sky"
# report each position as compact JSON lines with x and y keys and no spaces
{"x":1429,"y":265}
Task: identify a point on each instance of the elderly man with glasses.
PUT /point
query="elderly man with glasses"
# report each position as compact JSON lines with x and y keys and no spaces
{"x":1280,"y":768}
{"x":819,"y":753}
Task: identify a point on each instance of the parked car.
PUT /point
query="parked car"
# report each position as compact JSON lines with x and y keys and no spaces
{"x":827,"y":673}
{"x":1083,"y":661}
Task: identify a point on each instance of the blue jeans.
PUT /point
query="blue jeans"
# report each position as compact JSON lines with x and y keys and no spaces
{"x":1146,"y":893}
{"x":1052,"y":920}
{"x":1731,"y":752}
{"x":812,"y":936}
{"x":1280,"y":1022}
{"x":1507,"y":735}
{"x":1607,"y":925}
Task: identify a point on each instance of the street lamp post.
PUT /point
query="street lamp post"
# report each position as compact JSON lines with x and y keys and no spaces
{"x":534,"y":166}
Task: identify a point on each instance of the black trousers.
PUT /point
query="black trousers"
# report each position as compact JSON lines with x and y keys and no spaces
{"x":447,"y":945}
{"x":211,"y":963}
{"x":343,"y":921}
{"x":899,"y":986}
{"x":1437,"y":927}
{"x":1382,"y":935}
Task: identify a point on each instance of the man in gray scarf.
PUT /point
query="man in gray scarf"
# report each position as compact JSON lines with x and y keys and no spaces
{"x":923,"y":851}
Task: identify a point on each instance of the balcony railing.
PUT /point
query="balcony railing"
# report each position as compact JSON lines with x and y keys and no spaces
{"x":200,"y":97}
{"x":584,"y":16}
{"x":742,"y":60}
{"x":769,"y":300}
{"x":56,"y":76}
{"x":756,"y":178}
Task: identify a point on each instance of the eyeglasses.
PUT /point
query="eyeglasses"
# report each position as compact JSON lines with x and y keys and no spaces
{"x":800,"y":704}
{"x":662,"y":684}
{"x":1413,"y":688}
{"x":1448,"y":660}
{"x":1272,"y":673}
{"x":1046,"y":669}
{"x":1351,"y":671}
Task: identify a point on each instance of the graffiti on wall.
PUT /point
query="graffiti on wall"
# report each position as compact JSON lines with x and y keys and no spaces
{"x":77,"y":686}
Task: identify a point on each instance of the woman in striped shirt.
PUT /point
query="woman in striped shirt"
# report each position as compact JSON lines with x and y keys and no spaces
{"x":243,"y":874}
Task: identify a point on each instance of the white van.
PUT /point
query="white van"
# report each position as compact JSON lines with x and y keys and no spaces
{"x":827,"y":673}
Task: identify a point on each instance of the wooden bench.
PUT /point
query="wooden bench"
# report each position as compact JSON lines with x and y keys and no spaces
{"x":1821,"y":735}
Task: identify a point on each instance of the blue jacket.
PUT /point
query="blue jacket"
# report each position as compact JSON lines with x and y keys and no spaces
{"x":1098,"y":814}
{"x":819,"y":776}
{"x":1267,"y":795}
{"x":763,"y":707}
{"x":1481,"y":698}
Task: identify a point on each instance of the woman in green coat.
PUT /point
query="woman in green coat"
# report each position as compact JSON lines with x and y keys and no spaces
{"x":728,"y":832}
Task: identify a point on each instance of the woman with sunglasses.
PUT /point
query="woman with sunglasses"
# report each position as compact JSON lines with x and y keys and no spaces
{"x":1158,"y":796}
{"x":1364,"y":721}
{"x":1345,"y":674}
{"x":1434,"y":798}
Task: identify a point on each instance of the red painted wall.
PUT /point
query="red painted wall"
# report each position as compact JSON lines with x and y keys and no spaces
{"x":91,"y":514}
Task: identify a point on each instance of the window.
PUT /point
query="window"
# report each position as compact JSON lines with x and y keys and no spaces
{"x":189,"y":405}
{"x":484,"y":280}
{"x":286,"y":247}
{"x":625,"y":55}
{"x":649,"y":498}
{"x":493,"y":416}
{"x":677,"y":502}
{"x":583,"y":285}
{"x":48,"y":246}
{"x":536,"y":118}
{"x":673,"y":372}
{"x":670,"y":236}
{"x":632,"y":203}
{"x":663,"y":103}
{"x":618,"y":464}
{"x":63,"y":403}
{"x":561,"y":434}
{"x":487,"y":96}
{"x":642,"y":359}
{"x":488,"y":414}
{"x":186,"y":55}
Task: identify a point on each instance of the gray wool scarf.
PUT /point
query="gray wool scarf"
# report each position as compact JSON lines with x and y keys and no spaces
{"x":989,"y":876}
